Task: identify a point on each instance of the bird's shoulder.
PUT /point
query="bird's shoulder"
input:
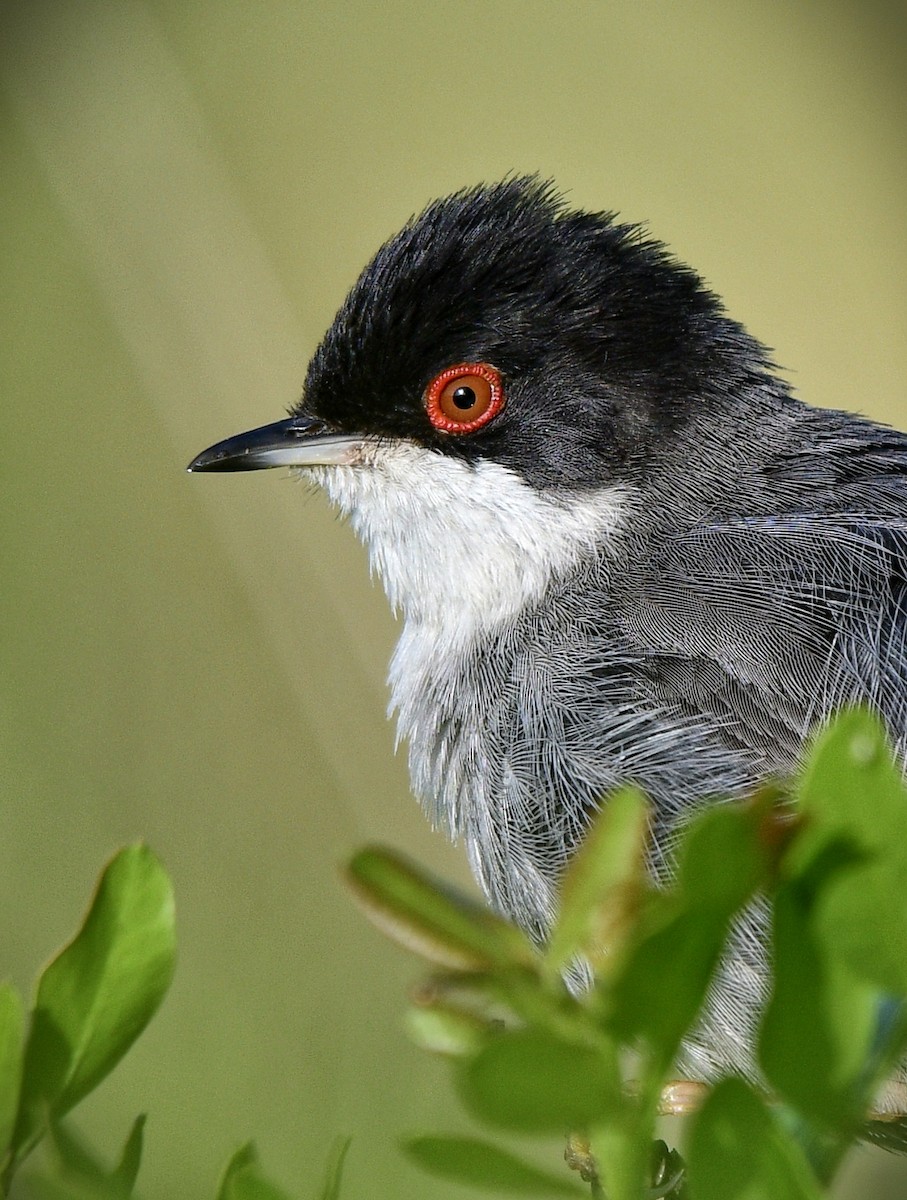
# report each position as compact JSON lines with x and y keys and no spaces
{"x":789,"y":597}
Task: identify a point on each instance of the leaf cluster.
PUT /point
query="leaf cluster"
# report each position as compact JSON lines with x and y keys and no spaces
{"x":92,"y":1001}
{"x":578,"y":1037}
{"x":535,"y":1055}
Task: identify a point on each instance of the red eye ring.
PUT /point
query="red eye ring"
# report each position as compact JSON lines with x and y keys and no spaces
{"x":464,"y":397}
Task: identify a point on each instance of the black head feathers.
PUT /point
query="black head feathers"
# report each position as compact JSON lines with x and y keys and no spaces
{"x":603,"y":341}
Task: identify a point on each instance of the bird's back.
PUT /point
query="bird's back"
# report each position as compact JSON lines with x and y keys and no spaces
{"x":790,"y":600}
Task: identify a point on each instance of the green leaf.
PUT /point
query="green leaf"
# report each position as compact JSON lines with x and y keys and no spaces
{"x":480,"y":1164}
{"x":126,"y":1171}
{"x":445,"y":1030}
{"x":99,"y":993}
{"x":665,"y":982}
{"x":531,"y":1080}
{"x":849,"y":763}
{"x":667,"y":973}
{"x":736,"y":1151}
{"x":603,"y":886}
{"x":430,"y":918}
{"x":820,"y":1023}
{"x":75,"y":1160}
{"x":245,"y":1156}
{"x":840,"y":929}
{"x":242,"y":1178}
{"x":333,"y":1171}
{"x":82,"y":1170}
{"x":863,"y":916}
{"x":721,"y":859}
{"x":12,"y":1025}
{"x":853,"y":792}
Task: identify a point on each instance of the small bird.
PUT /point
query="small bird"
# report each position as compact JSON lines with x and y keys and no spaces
{"x":623,"y":551}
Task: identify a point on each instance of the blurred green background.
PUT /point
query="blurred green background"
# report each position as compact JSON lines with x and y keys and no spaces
{"x":188,"y":189}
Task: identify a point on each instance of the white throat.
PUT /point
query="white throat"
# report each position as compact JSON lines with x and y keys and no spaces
{"x":461,"y":548}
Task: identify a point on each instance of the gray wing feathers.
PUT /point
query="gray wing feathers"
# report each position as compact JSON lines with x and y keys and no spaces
{"x":772,"y":623}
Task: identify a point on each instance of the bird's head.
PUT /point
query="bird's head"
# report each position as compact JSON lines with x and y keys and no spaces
{"x":497,"y":387}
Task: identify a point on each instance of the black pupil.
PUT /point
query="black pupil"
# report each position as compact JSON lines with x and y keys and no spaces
{"x":464,"y":397}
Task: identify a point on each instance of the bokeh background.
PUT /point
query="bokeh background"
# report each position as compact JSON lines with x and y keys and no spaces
{"x":188,"y":188}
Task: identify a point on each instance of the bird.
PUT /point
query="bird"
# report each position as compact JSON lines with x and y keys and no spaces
{"x":623,"y":550}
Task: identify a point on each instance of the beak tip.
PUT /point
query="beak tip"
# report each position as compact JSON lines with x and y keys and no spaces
{"x":233,"y":455}
{"x":201,"y":462}
{"x":295,"y":442}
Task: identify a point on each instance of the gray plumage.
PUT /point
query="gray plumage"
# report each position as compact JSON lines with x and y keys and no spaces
{"x":651,"y":565}
{"x":695,"y":664}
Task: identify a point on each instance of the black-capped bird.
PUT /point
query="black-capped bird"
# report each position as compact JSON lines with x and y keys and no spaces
{"x":623,"y":551}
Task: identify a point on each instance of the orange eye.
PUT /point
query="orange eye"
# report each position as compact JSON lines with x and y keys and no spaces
{"x":464,"y":398}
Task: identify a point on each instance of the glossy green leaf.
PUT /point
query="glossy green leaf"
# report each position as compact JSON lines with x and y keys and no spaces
{"x":819,"y":1026}
{"x":481,"y":1164}
{"x":333,"y":1171}
{"x":12,"y":1026}
{"x":864,"y":916}
{"x":667,"y":974}
{"x":430,"y":918}
{"x":852,"y":786}
{"x":663,"y":987}
{"x":530,"y":1080}
{"x":97,"y":995}
{"x":722,"y":859}
{"x":243,"y":1180}
{"x":736,"y":1151}
{"x":603,"y":886}
{"x":840,"y":928}
{"x":853,"y":792}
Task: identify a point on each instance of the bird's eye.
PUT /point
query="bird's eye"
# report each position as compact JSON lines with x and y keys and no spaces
{"x":464,"y":398}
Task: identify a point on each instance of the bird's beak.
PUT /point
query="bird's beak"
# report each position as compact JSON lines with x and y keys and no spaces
{"x":296,"y":442}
